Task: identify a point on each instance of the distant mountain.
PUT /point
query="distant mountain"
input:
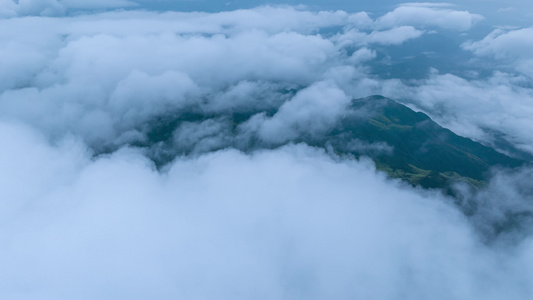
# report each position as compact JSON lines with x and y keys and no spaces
{"x":403,"y":143}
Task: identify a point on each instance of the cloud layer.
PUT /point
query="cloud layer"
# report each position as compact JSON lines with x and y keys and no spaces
{"x":72,"y":75}
{"x":86,"y":214}
{"x":13,"y":8}
{"x":288,"y":223}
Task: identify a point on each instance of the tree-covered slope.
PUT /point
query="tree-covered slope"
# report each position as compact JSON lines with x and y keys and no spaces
{"x":404,"y":143}
{"x":424,"y":153}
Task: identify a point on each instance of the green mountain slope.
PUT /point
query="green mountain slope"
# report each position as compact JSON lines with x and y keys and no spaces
{"x":424,"y":153}
{"x":404,"y":143}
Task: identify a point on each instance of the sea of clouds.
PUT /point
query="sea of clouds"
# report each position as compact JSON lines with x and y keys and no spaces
{"x":85,"y":214}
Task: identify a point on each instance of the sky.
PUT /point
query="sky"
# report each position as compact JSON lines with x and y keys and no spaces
{"x":85,"y":212}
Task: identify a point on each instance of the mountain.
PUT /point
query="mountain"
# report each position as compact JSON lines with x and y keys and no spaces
{"x":424,"y":153}
{"x":403,"y":143}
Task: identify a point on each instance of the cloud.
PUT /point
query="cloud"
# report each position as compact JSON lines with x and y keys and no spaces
{"x":313,"y":110}
{"x":202,"y":137}
{"x":395,"y":36}
{"x":76,"y":72}
{"x":97,"y":4}
{"x":428,"y":15}
{"x":508,"y":203}
{"x":428,"y":4}
{"x":169,"y":90}
{"x":507,"y":9}
{"x":285,"y":223}
{"x":367,"y":148}
{"x":87,"y":213}
{"x":504,"y":44}
{"x":513,"y":47}
{"x":85,"y":71}
{"x":11,"y":8}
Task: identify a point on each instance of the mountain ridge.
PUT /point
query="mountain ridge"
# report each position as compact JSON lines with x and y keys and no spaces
{"x":403,"y":143}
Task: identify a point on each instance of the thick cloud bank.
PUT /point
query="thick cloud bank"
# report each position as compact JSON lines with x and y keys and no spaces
{"x":85,"y":212}
{"x":290,"y":223}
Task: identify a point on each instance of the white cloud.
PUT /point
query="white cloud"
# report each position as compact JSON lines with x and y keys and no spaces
{"x":84,"y":71}
{"x":507,"y":9}
{"x":246,"y":96}
{"x":513,"y":47}
{"x":265,"y":18}
{"x":395,"y":36}
{"x":166,"y":92}
{"x":78,"y":76}
{"x":360,"y":20}
{"x":361,"y":55}
{"x":203,"y":137}
{"x":97,"y":4}
{"x":313,"y":110}
{"x":504,"y":44}
{"x":429,"y":15}
{"x":428,"y":4}
{"x":7,"y":8}
{"x":285,"y":223}
{"x":367,"y":148}
{"x":11,"y":8}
